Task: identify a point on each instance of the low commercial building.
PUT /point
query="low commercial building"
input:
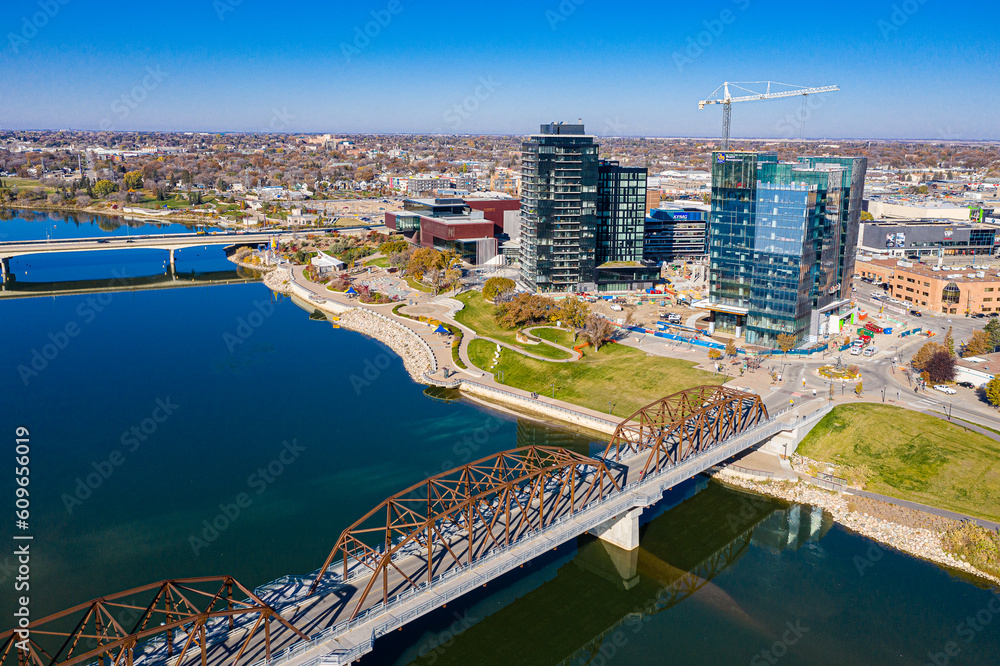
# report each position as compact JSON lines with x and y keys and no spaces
{"x":954,"y":291}
{"x":977,"y":370}
{"x":470,"y":227}
{"x":917,"y":239}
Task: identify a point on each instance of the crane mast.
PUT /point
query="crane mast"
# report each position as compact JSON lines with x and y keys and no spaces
{"x":727,"y":99}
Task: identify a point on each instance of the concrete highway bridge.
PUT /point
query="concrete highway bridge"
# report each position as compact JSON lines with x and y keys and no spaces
{"x":167,"y":242}
{"x":417,"y":550}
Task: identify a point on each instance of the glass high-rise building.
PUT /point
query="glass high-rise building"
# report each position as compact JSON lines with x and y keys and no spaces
{"x":782,"y":241}
{"x":621,"y":222}
{"x":558,"y":209}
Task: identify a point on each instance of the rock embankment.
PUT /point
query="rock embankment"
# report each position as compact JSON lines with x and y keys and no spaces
{"x":279,"y":280}
{"x":918,"y":541}
{"x":397,"y":337}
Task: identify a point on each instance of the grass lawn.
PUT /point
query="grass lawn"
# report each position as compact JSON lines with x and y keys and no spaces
{"x":912,"y":456}
{"x":478,"y":315}
{"x":560,"y":337}
{"x":419,"y":286}
{"x":381,"y":262}
{"x":623,"y":375}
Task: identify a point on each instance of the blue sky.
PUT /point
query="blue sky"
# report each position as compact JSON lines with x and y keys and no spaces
{"x":907,"y":69}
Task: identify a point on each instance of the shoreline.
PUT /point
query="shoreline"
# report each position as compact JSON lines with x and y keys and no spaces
{"x":918,"y":542}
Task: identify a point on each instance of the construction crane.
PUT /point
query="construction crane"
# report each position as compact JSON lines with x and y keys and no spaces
{"x":727,"y":99}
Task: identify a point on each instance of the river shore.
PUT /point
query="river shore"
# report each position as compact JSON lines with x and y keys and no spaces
{"x":397,"y":337}
{"x":174,"y":217}
{"x":921,"y":542}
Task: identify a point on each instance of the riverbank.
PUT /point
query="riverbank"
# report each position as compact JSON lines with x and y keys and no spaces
{"x":416,"y":358}
{"x":923,"y":542}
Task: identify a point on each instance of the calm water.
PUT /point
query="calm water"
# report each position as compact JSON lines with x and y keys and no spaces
{"x":30,"y":225}
{"x":719,"y":577}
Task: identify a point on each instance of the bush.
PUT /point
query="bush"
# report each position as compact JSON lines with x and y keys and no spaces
{"x":714,"y":354}
{"x":978,"y":546}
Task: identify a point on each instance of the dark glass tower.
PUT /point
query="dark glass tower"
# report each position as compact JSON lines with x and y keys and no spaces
{"x":558,"y":209}
{"x":782,"y":239}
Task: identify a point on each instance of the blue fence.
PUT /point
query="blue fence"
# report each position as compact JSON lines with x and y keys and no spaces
{"x":913,"y":332}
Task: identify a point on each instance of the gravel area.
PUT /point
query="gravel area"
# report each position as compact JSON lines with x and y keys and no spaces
{"x":279,"y":280}
{"x":853,"y":513}
{"x":397,"y":337}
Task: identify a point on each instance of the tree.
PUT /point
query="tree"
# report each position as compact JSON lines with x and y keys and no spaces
{"x":979,"y":343}
{"x":786,"y":342}
{"x":993,"y":391}
{"x":132,"y":180}
{"x":866,"y":216}
{"x":831,"y":391}
{"x":731,"y":348}
{"x":941,"y":367}
{"x":924,"y":354}
{"x":859,"y":389}
{"x":949,"y":341}
{"x":573,"y":313}
{"x":524,"y":310}
{"x":393,"y":246}
{"x":103,"y":188}
{"x":495,"y":286}
{"x":993,"y":329}
{"x":597,"y":331}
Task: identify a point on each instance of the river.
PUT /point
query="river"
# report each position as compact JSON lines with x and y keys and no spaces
{"x":151,"y":411}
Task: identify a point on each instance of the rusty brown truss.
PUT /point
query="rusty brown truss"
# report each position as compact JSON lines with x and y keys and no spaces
{"x":683,"y":424}
{"x":458,"y":517}
{"x":94,"y":630}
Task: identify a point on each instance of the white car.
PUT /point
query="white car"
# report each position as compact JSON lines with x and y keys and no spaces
{"x":945,"y":389}
{"x":855,"y":350}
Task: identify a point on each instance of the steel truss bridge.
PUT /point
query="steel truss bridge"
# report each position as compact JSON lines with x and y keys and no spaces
{"x":414,"y":552}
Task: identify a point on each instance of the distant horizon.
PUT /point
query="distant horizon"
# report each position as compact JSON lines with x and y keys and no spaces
{"x":497,"y":134}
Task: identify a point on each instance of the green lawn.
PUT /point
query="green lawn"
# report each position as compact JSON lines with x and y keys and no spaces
{"x":478,"y":315}
{"x":560,"y":337}
{"x":912,"y":456}
{"x":381,"y":262}
{"x":623,"y":375}
{"x":419,"y":286}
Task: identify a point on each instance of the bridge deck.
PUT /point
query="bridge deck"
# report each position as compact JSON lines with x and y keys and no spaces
{"x":335,"y":639}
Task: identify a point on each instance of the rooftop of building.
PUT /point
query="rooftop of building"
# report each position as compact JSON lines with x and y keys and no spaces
{"x":948,"y":273}
{"x":984,"y":362}
{"x":928,"y":222}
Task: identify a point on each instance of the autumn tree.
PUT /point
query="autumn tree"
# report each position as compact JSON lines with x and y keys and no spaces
{"x":978,"y":343}
{"x":786,"y":342}
{"x":731,"y":348}
{"x":924,"y":354}
{"x":941,"y":367}
{"x":495,"y":286}
{"x":993,"y":391}
{"x":524,"y":310}
{"x":132,"y":180}
{"x":573,"y":312}
{"x":103,"y":188}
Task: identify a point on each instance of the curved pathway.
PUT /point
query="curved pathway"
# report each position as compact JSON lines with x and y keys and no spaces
{"x":572,"y":352}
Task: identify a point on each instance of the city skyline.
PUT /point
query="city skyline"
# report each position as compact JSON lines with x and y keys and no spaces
{"x":216,"y":66}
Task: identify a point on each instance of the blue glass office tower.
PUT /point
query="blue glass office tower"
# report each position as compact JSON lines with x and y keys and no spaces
{"x":782,"y":242}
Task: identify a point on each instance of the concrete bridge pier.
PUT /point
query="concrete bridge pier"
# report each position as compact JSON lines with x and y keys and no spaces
{"x":173,"y":267}
{"x":4,"y":270}
{"x":621,"y":531}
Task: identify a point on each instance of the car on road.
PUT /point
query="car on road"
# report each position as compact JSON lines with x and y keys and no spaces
{"x":855,"y":350}
{"x":945,"y":389}
{"x":916,"y":313}
{"x":870,"y":351}
{"x":102,"y":240}
{"x":966,"y":385}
